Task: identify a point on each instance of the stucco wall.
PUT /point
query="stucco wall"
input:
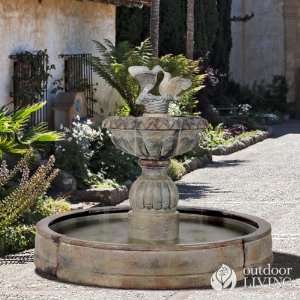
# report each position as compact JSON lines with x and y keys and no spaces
{"x":61,"y":26}
{"x":258,"y":45}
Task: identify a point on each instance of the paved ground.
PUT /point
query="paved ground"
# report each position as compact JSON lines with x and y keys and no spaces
{"x":263,"y":180}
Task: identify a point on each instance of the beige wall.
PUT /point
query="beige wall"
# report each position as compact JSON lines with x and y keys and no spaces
{"x":61,"y":26}
{"x":258,"y":45}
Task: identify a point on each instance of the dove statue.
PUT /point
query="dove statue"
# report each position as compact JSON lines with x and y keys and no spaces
{"x":169,"y":88}
{"x":173,"y":86}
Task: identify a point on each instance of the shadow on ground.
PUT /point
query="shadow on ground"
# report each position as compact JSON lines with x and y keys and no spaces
{"x":226,"y":163}
{"x":196,"y":190}
{"x":285,"y":260}
{"x":291,"y":127}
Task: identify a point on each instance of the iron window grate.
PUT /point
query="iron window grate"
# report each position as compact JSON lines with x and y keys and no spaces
{"x":30,"y":82}
{"x":78,"y":77}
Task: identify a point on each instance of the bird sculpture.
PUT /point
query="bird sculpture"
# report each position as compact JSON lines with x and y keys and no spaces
{"x":169,"y":88}
{"x":173,"y":86}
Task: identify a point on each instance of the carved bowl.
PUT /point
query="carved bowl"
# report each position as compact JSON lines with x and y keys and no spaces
{"x":155,"y":137}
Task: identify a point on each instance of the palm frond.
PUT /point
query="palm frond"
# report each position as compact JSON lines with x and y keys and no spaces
{"x":40,"y":134}
{"x":106,"y":73}
{"x":7,"y":145}
{"x":141,"y":55}
{"x":14,"y":139}
{"x":22,"y":116}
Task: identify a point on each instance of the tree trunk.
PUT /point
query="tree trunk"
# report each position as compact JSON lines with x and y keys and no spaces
{"x":190,"y":24}
{"x":154,"y":25}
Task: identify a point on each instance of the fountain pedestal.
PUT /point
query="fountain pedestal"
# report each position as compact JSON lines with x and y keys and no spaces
{"x":153,"y":199}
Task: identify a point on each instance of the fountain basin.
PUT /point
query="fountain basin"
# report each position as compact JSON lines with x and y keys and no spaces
{"x":155,"y":137}
{"x":92,"y":247}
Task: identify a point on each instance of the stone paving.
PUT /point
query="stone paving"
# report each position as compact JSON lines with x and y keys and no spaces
{"x":262,"y":180}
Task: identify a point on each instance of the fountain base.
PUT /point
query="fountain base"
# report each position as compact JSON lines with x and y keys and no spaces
{"x":94,"y":247}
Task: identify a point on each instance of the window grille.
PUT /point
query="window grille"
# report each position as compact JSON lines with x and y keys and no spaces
{"x":30,"y":82}
{"x":78,"y":76}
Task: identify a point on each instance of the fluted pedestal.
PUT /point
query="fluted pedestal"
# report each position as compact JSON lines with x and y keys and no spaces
{"x":154,"y":198}
{"x":155,"y":139}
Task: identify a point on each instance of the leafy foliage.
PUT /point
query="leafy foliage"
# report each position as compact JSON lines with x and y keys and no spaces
{"x":45,"y":206}
{"x":25,"y":195}
{"x":263,"y":97}
{"x":21,"y":236}
{"x":114,"y":62}
{"x":88,"y":154}
{"x":17,"y":238}
{"x":22,"y":203}
{"x":32,"y":87}
{"x":74,"y":153}
{"x":179,"y":65}
{"x":15,"y":135}
{"x":212,"y":137}
{"x":176,"y":169}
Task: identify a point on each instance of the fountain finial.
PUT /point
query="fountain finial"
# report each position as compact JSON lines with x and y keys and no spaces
{"x":169,"y":88}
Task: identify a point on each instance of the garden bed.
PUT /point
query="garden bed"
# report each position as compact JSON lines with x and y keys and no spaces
{"x":240,"y":143}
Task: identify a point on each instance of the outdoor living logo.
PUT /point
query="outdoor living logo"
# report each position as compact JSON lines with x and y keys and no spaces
{"x":268,"y":276}
{"x":223,"y":278}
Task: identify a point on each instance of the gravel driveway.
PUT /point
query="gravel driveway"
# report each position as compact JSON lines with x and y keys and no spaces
{"x":262,"y":180}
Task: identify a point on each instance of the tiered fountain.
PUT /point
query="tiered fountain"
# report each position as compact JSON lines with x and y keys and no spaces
{"x":153,"y":244}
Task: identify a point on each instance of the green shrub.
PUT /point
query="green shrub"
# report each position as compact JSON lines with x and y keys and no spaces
{"x":50,"y":206}
{"x":26,"y":193}
{"x":20,"y":236}
{"x":89,"y":155}
{"x":273,"y":95}
{"x":212,"y":137}
{"x":106,"y":184}
{"x":22,"y":203}
{"x":263,"y":97}
{"x":74,"y":153}
{"x":16,"y":238}
{"x":179,"y":65}
{"x":45,"y":207}
{"x":15,"y":135}
{"x":176,"y":169}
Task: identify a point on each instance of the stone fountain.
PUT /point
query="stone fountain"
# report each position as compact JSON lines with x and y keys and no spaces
{"x":153,"y":244}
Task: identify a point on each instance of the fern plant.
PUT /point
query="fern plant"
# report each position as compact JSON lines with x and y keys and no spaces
{"x":114,"y":61}
{"x":16,"y":137}
{"x":113,"y":64}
